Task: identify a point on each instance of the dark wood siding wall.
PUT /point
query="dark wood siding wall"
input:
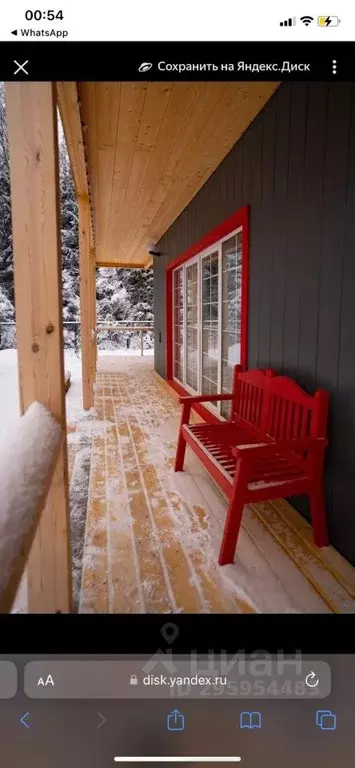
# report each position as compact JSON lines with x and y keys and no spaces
{"x":295,"y":166}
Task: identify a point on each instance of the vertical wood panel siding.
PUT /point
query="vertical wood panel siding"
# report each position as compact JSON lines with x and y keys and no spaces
{"x":295,"y":166}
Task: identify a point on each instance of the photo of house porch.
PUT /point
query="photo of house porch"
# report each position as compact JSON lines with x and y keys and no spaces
{"x":239,"y":197}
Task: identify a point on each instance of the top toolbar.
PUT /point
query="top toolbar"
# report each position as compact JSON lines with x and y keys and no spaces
{"x":173,"y":61}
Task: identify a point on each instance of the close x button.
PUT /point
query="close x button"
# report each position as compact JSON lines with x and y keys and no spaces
{"x":20,"y":67}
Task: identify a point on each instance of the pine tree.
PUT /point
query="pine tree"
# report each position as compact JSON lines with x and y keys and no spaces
{"x":113,"y":305}
{"x":7,"y":316}
{"x":69,"y":245}
{"x":6,"y":261}
{"x":139,"y":285}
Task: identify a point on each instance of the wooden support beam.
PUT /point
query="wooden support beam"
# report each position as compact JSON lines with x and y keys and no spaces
{"x":119,"y":264}
{"x":93,"y":312}
{"x":32,"y":129}
{"x":86,"y":281}
{"x":68,"y":103}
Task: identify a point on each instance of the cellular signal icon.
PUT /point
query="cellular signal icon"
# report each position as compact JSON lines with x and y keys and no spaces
{"x":288,"y":22}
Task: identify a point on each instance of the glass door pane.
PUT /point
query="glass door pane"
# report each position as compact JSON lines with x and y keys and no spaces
{"x":231,"y":312}
{"x":209,"y":293}
{"x":191,"y":326}
{"x":178,"y":315}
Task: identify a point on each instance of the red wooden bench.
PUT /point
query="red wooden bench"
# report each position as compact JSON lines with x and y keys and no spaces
{"x":271,"y":447}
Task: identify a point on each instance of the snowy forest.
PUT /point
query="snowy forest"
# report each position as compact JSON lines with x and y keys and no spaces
{"x":123,"y":295}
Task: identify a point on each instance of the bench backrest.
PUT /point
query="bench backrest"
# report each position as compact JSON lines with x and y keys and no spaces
{"x":290,"y":412}
{"x":249,"y":389}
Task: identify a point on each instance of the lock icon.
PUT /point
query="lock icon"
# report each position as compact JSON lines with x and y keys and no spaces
{"x":133,"y":680}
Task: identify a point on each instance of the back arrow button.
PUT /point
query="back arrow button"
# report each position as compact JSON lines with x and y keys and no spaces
{"x":23,"y":720}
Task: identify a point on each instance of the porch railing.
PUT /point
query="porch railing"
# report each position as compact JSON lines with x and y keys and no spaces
{"x":72,"y":332}
{"x":128,"y":328}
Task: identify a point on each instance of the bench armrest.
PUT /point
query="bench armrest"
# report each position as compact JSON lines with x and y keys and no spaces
{"x":205,"y":398}
{"x":264,"y":450}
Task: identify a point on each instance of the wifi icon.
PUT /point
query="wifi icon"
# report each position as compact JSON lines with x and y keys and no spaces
{"x":306,"y":20}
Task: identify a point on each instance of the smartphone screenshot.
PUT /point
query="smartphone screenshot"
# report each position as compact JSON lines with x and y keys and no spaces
{"x":177,"y":384}
{"x":222,"y":707}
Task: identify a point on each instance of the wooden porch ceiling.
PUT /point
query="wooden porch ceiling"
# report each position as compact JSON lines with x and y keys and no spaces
{"x":143,"y":150}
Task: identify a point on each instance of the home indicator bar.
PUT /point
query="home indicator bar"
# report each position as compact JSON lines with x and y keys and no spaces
{"x":177,"y":759}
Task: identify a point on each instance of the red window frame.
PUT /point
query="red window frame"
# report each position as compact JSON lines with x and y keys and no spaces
{"x":237,"y":220}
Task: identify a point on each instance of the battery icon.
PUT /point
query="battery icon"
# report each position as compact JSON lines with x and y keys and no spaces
{"x":328,"y":21}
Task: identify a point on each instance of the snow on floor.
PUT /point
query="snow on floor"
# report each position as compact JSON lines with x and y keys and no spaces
{"x":107,"y":359}
{"x":144,"y":538}
{"x":152,"y":535}
{"x":80,"y":426}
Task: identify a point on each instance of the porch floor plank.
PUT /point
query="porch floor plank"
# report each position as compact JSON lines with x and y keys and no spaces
{"x":94,"y":593}
{"x":152,"y":535}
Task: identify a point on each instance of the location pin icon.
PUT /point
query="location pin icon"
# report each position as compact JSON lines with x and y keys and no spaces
{"x":170,"y":632}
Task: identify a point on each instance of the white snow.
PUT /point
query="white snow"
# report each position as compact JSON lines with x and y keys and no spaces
{"x":259,"y":484}
{"x":73,"y":400}
{"x":9,"y":389}
{"x":263,"y":576}
{"x":10,"y":415}
{"x":26,"y":455}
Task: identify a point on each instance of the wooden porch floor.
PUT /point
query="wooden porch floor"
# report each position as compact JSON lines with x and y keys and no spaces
{"x":151,"y":537}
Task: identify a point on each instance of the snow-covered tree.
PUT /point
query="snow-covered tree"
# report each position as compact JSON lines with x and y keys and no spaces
{"x":7,"y":315}
{"x":123,"y":295}
{"x":6,"y":262}
{"x":69,"y":244}
{"x":139,"y":284}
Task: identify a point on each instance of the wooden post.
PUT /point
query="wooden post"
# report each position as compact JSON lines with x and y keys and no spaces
{"x":32,"y":129}
{"x":85,"y":259}
{"x":93,"y":312}
{"x":142,"y":349}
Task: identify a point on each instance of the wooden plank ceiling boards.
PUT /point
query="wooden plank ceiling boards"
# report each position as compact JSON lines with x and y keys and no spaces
{"x":149,"y":148}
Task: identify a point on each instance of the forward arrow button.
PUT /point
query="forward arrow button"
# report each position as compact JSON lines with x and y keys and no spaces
{"x":102,"y":720}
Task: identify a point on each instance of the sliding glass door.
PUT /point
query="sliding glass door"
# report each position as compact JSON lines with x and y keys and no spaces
{"x":207,"y":319}
{"x":191,"y":279}
{"x":231,"y":312}
{"x":210,"y":341}
{"x":178,"y":321}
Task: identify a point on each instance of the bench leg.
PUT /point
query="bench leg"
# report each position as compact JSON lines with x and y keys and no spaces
{"x":180,"y":453}
{"x":318,"y":517}
{"x":181,"y":446}
{"x":234,"y":515}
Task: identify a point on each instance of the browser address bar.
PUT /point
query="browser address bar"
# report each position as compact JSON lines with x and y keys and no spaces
{"x":167,"y":678}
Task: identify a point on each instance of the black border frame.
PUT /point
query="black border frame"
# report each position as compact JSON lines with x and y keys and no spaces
{"x":116,"y":634}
